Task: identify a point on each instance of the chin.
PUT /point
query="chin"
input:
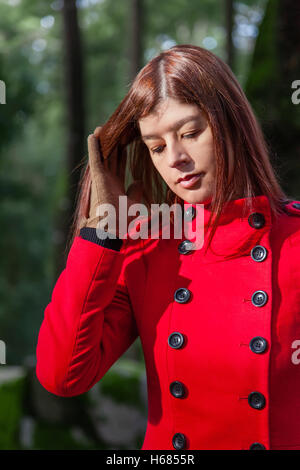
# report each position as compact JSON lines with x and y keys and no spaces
{"x":193,"y":197}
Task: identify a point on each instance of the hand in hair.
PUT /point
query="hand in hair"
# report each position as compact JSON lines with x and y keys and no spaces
{"x":106,"y":186}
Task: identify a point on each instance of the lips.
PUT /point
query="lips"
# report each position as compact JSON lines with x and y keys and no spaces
{"x":189,"y":180}
{"x":188,"y":177}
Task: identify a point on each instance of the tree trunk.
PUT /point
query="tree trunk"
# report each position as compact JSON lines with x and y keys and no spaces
{"x":75,"y":145}
{"x":135,"y":37}
{"x":135,"y":55}
{"x":229,"y":29}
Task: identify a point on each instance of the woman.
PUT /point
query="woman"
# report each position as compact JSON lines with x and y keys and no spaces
{"x":219,"y":325}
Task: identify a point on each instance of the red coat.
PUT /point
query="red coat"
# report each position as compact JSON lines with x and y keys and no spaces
{"x":230,"y":376}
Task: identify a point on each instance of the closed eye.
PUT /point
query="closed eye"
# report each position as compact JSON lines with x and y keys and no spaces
{"x":190,"y":136}
{"x":157,"y":150}
{"x":187,"y":136}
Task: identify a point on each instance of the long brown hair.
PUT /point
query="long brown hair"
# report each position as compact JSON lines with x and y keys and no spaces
{"x":189,"y":74}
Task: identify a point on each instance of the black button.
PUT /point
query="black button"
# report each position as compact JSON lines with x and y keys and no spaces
{"x":177,"y":389}
{"x":259,"y":253}
{"x":259,"y":298}
{"x":257,"y":446}
{"x":190,"y":213}
{"x":258,"y":345}
{"x":176,"y":340}
{"x":256,"y":220}
{"x":182,"y":295}
{"x":296,"y":205}
{"x":178,"y":441}
{"x":256,"y":400}
{"x":185,"y":247}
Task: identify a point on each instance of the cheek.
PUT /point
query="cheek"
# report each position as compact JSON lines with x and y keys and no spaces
{"x":156,"y":166}
{"x":204,"y":158}
{"x":160,"y":169}
{"x":209,"y":153}
{"x":213,"y":164}
{"x":204,"y":147}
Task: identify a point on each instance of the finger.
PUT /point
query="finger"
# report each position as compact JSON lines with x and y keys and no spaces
{"x":94,"y":154}
{"x":97,"y":131}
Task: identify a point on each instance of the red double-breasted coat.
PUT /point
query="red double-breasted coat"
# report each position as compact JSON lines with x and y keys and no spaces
{"x":220,"y":330}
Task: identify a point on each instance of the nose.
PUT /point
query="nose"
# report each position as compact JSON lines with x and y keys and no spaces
{"x":177,"y":156}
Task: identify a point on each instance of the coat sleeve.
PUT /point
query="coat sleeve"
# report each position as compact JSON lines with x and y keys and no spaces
{"x":89,"y":322}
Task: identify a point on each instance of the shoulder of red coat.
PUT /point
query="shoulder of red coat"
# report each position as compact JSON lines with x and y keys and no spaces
{"x":292,"y":208}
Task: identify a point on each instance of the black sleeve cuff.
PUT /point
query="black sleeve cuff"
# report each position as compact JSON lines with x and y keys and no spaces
{"x":89,"y":233}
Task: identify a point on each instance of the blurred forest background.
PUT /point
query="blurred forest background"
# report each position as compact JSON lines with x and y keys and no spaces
{"x":66,"y":66}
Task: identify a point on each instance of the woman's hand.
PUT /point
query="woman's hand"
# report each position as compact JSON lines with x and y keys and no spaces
{"x":107,"y":184}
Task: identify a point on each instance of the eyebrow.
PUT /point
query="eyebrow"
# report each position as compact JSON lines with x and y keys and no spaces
{"x":175,"y":126}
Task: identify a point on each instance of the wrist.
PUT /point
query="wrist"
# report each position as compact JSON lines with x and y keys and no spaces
{"x":101,"y":237}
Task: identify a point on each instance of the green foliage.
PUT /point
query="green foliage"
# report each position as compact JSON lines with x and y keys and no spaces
{"x":11,"y":410}
{"x":32,"y":418}
{"x":33,"y":172}
{"x":123,"y":384}
{"x":58,"y":437}
{"x":275,"y":66}
{"x":261,"y":83}
{"x":30,"y":167}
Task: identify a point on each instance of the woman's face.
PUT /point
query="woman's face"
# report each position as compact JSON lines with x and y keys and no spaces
{"x":180,"y":144}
